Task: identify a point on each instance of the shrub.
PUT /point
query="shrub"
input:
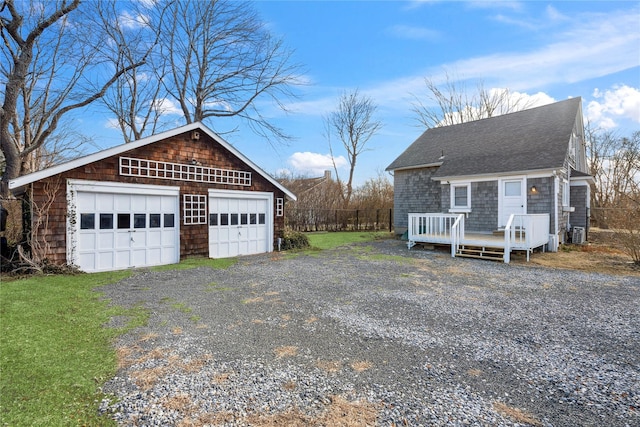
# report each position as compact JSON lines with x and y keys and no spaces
{"x":294,"y":240}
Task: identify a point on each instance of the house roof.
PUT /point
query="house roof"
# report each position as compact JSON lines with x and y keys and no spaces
{"x":18,"y":183}
{"x":303,"y":185}
{"x":527,"y":140}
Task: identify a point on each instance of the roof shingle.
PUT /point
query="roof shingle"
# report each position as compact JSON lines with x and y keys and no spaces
{"x":526,"y":140}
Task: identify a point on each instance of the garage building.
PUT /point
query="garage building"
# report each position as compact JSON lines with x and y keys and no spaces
{"x":184,"y":192}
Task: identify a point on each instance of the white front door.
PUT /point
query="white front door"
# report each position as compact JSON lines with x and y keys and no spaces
{"x":240,"y":223}
{"x":512,"y":199}
{"x":118,"y":227}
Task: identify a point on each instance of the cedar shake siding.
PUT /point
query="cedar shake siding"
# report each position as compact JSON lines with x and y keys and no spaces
{"x":579,"y":197}
{"x":414,"y":191}
{"x":180,"y":149}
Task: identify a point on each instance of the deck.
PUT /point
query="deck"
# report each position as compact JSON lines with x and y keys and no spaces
{"x":522,"y":232}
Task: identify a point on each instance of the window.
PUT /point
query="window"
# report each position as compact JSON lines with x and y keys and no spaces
{"x":124,"y":221}
{"x":106,"y":221}
{"x":279,"y":206}
{"x":169,"y":220}
{"x":139,"y":220}
{"x":87,"y":221}
{"x":194,"y":209}
{"x":213,"y":219}
{"x":512,"y":189}
{"x":460,"y":197}
{"x":154,"y":220}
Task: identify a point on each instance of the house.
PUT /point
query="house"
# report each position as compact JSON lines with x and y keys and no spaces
{"x":513,"y":182}
{"x":153,"y":201}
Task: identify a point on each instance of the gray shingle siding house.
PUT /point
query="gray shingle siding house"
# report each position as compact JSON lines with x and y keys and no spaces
{"x":528,"y":162}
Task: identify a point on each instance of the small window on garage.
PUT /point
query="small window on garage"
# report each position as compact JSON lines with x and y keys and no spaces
{"x":169,"y":220}
{"x":261,"y":218}
{"x":279,"y":206}
{"x":224,"y":219}
{"x":124,"y":221}
{"x":106,"y":221}
{"x":234,"y":219}
{"x":154,"y":220}
{"x":213,"y":219}
{"x":139,"y":220}
{"x":194,"y":209}
{"x":244,"y":220}
{"x":253,"y":219}
{"x":87,"y":221}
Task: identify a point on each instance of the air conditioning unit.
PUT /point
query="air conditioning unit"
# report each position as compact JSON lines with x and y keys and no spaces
{"x":578,"y":236}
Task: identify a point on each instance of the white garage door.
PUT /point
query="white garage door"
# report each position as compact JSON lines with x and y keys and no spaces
{"x":240,"y":223}
{"x":133,"y":227}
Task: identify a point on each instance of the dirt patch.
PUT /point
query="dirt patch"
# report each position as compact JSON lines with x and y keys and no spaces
{"x":601,"y":254}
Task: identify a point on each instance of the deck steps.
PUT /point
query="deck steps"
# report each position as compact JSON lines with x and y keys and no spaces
{"x":481,"y":252}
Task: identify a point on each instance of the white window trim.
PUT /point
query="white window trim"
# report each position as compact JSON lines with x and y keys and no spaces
{"x":279,"y":206}
{"x":452,"y":194}
{"x":196,"y":213}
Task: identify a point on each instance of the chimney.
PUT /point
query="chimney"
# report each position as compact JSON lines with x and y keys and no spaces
{"x":327,"y":175}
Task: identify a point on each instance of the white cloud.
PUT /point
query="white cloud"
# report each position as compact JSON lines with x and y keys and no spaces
{"x":315,"y":163}
{"x":130,"y":21}
{"x":619,"y":102}
{"x":167,"y":106}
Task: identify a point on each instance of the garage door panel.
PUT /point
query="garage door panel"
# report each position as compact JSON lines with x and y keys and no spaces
{"x":88,"y":260}
{"x":123,"y":241}
{"x":104,"y":202}
{"x":86,"y":202}
{"x":122,"y":202}
{"x":238,"y":226}
{"x":129,"y":230}
{"x":105,"y":241}
{"x":105,"y":260}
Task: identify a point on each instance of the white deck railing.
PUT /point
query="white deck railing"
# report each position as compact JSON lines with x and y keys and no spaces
{"x":434,"y":225}
{"x":525,"y":232}
{"x":522,"y":232}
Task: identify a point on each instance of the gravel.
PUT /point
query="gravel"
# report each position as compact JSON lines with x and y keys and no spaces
{"x":414,"y":337}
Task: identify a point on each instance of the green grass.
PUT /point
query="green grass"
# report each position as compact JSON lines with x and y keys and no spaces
{"x":55,"y":350}
{"x":330,"y":240}
{"x":195,"y":262}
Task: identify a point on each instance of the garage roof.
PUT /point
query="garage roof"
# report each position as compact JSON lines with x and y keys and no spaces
{"x":17,"y":184}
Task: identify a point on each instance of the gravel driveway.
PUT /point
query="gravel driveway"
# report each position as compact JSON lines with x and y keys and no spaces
{"x":373,"y":334}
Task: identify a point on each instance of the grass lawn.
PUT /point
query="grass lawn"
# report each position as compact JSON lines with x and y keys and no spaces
{"x":329,"y":240}
{"x":55,"y":351}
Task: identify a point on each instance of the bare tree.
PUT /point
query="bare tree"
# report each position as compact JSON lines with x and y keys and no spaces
{"x":451,"y":103}
{"x":222,"y":62}
{"x":136,"y":97}
{"x":53,"y":54}
{"x":354,"y":123}
{"x":615,"y":165}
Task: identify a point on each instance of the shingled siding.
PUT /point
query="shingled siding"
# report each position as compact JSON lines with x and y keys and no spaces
{"x":541,"y":202}
{"x":414,"y":191}
{"x":580,"y":217}
{"x":484,"y":207}
{"x":194,"y":239}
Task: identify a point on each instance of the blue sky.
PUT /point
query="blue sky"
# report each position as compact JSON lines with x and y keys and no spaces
{"x":546,"y":50}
